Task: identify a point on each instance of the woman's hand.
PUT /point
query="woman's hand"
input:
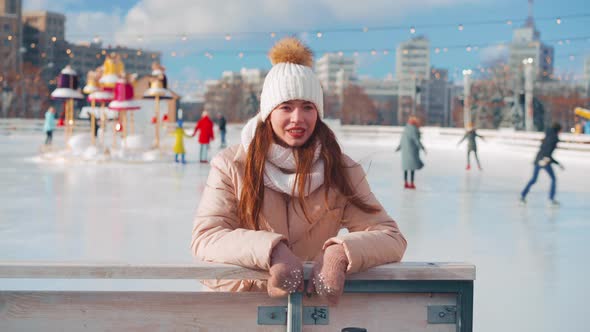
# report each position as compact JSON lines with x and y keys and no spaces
{"x":286,"y":272}
{"x":329,"y":273}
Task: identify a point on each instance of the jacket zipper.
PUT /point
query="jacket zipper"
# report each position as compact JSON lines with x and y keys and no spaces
{"x":287,"y":201}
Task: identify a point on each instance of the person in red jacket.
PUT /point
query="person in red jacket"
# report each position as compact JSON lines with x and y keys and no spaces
{"x":205,"y":125}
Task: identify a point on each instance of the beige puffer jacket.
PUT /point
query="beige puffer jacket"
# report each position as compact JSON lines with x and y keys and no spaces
{"x":373,"y":239}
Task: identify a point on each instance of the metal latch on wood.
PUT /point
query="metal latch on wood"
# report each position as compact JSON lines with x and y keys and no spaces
{"x":277,"y":315}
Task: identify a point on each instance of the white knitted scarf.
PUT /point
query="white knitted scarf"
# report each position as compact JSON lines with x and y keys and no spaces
{"x":280,"y":158}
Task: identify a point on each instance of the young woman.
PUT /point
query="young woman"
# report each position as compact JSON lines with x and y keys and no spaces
{"x":410,"y":145}
{"x":281,"y":196}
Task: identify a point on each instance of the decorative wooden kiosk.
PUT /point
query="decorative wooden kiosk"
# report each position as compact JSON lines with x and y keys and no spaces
{"x":394,"y":297}
{"x":157,"y":91}
{"x":67,"y":90}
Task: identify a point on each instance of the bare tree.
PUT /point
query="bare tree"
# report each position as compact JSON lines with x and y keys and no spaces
{"x":357,"y":107}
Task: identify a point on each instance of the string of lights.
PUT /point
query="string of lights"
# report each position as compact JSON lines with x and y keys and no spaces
{"x":321,"y":32}
{"x":318,"y":32}
{"x":209,"y":53}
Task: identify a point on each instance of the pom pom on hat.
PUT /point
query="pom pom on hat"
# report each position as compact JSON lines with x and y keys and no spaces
{"x":290,"y":78}
{"x":291,"y":50}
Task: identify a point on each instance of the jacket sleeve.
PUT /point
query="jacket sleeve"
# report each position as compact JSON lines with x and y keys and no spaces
{"x":373,"y":239}
{"x":417,"y":140}
{"x":216,"y":235}
{"x":462,"y":139}
{"x":198,"y":126}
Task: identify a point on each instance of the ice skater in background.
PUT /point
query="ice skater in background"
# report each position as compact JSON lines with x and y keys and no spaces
{"x":49,"y":125}
{"x":205,"y":125}
{"x":178,"y":148}
{"x":410,"y":145}
{"x":544,"y":160}
{"x":221,"y":122}
{"x":471,"y":135}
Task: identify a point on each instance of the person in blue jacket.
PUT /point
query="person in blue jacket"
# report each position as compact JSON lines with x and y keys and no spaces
{"x":544,"y":160}
{"x":49,"y":125}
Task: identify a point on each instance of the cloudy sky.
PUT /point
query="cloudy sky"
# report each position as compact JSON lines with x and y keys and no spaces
{"x":186,"y":30}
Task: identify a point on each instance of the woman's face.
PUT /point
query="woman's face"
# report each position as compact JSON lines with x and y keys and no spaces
{"x":293,"y":121}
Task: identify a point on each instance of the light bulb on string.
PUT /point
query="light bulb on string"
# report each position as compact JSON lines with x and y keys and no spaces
{"x":437,"y":50}
{"x":412,"y":30}
{"x":241,"y":55}
{"x":173,"y":54}
{"x":445,"y":49}
{"x":460,"y":27}
{"x":228,"y":37}
{"x":319,"y":34}
{"x":385,"y":52}
{"x":340,"y":53}
{"x":273,"y":34}
{"x":572,"y":58}
{"x":365,"y":29}
{"x":373,"y":52}
{"x":96,"y":39}
{"x":183,"y":38}
{"x":509,"y":22}
{"x":355,"y":53}
{"x":468,"y":48}
{"x":567,"y":41}
{"x":558,"y":20}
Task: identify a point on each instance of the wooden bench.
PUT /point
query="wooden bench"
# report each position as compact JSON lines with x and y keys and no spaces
{"x":402,"y":297}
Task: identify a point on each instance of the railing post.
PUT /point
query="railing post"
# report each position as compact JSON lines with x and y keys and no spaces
{"x":295,"y":312}
{"x":465,"y":303}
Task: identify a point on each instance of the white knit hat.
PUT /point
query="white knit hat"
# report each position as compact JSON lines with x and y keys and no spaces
{"x":291,"y":77}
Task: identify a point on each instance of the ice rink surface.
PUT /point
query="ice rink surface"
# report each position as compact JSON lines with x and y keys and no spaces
{"x":532,"y":272}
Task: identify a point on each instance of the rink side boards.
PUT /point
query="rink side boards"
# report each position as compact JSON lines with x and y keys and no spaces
{"x":403,"y":296}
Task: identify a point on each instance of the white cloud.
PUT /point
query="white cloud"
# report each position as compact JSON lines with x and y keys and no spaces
{"x":494,"y":54}
{"x":169,"y":19}
{"x":155,"y":23}
{"x":84,"y":26}
{"x":380,"y":9}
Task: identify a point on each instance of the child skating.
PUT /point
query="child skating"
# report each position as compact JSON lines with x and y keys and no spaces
{"x":471,"y":136}
{"x":178,"y":148}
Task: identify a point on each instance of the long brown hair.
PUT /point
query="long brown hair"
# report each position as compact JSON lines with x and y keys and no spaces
{"x":335,"y":176}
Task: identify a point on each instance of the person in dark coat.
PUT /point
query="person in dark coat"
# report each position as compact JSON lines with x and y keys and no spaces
{"x":471,"y":135}
{"x":543,"y":160}
{"x":221,"y":123}
{"x":410,"y":145}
